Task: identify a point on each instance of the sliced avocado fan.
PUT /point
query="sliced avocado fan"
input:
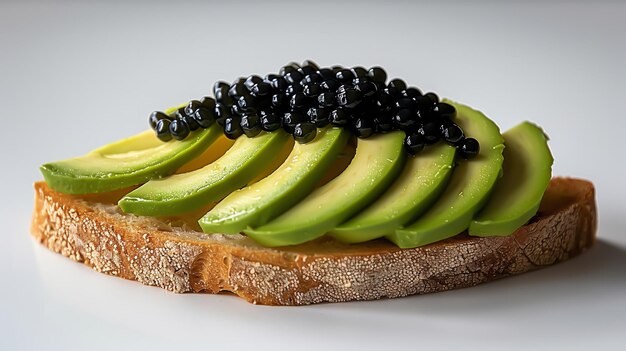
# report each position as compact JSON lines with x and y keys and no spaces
{"x":291,"y":182}
{"x":468,"y":189}
{"x":377,"y":162}
{"x":527,"y":170}
{"x":127,"y":162}
{"x":180,"y":193}
{"x":419,"y":184}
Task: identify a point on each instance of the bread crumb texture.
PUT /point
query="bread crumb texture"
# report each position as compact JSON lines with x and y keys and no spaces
{"x":175,"y":257}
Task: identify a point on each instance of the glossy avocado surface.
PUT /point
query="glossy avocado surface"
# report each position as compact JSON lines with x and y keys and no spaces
{"x":415,"y":189}
{"x":125,"y":163}
{"x":245,"y":161}
{"x":262,"y":201}
{"x":470,"y":185}
{"x":527,"y":170}
{"x":377,"y":162}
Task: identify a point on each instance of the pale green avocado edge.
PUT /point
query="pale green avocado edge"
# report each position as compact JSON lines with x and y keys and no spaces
{"x":420,"y":183}
{"x":71,"y":177}
{"x":189,"y":191}
{"x":264,"y":200}
{"x":375,"y":165}
{"x":527,"y":171}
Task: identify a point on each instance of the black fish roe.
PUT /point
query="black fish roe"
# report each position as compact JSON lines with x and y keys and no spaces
{"x":431,"y":131}
{"x":232,"y":128}
{"x":301,"y":98}
{"x":304,"y":132}
{"x":291,"y":119}
{"x":344,"y":75}
{"x":162,"y":129}
{"x":318,"y":116}
{"x":311,"y":90}
{"x":279,"y":101}
{"x":445,"y":110}
{"x":270,"y":121}
{"x":221,"y":113}
{"x":252,"y":81}
{"x":305,"y":70}
{"x":312,"y":78}
{"x":432,"y":96}
{"x":326,"y":99}
{"x":261,"y":89}
{"x":298,"y":101}
{"x":397,"y":84}
{"x":293,"y":89}
{"x":367,"y":89}
{"x":377,"y":75}
{"x":155,"y":117}
{"x":383,"y":123}
{"x":191,"y":107}
{"x":329,"y":85}
{"x":179,"y":129}
{"x":411,"y":92}
{"x":191,"y":122}
{"x":414,"y":143}
{"x":278,"y":84}
{"x":310,"y":63}
{"x":359,"y":71}
{"x":339,"y":117}
{"x":469,"y":148}
{"x":405,"y":119}
{"x":207,"y":102}
{"x":250,"y":124}
{"x":451,"y":133}
{"x":364,"y":127}
{"x":235,"y":110}
{"x":246,"y":103}
{"x":237,"y":89}
{"x":204,"y":116}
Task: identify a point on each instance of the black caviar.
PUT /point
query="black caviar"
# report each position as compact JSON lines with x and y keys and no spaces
{"x":301,"y":98}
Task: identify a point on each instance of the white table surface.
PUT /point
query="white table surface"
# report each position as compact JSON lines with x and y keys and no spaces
{"x":75,"y":75}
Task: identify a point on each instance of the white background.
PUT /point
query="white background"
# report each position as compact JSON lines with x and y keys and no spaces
{"x":76,"y":75}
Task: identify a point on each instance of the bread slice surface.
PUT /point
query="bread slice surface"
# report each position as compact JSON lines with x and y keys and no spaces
{"x":173,"y":254}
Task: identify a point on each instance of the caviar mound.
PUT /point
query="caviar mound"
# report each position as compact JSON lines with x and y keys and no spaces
{"x":303,"y":98}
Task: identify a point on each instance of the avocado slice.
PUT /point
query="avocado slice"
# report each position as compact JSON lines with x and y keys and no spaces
{"x":127,"y":162}
{"x":377,"y":162}
{"x":180,"y":193}
{"x":262,"y":201}
{"x":212,"y":153}
{"x":469,"y":187}
{"x":420,"y":183}
{"x":516,"y":197}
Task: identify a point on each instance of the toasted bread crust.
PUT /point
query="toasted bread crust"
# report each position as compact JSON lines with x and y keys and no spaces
{"x":160,"y":253}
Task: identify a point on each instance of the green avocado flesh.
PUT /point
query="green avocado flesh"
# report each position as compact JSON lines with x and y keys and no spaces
{"x":468,"y":189}
{"x":264,"y":200}
{"x":516,"y":197}
{"x":419,"y":184}
{"x":185,"y":192}
{"x":377,"y":162}
{"x":127,"y":162}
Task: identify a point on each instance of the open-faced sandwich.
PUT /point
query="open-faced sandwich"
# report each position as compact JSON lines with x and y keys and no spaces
{"x":316,"y":185}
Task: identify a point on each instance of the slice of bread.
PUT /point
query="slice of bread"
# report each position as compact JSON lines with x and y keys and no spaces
{"x":173,"y":254}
